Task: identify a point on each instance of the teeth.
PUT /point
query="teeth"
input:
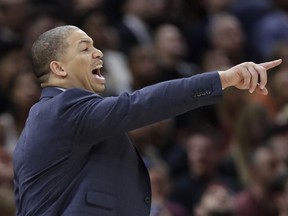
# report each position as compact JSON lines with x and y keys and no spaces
{"x":96,"y":70}
{"x":99,"y":66}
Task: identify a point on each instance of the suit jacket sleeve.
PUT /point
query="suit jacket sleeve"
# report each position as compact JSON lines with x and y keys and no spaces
{"x":95,"y":118}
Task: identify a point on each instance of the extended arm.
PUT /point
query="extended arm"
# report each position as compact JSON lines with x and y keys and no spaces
{"x":100,"y":118}
{"x":105,"y":117}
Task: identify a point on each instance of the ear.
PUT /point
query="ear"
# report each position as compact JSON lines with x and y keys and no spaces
{"x":57,"y":69}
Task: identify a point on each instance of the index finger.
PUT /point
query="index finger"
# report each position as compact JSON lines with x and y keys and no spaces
{"x":271,"y":64}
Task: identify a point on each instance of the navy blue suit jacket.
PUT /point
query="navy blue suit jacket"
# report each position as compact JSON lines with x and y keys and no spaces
{"x":74,"y":157}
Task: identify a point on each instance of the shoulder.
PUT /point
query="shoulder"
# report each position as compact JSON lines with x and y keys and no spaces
{"x":55,"y":102}
{"x":53,"y":96}
{"x":78,"y":92}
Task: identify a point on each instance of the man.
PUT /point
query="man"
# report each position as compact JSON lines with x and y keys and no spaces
{"x":255,"y":199}
{"x":74,"y":157}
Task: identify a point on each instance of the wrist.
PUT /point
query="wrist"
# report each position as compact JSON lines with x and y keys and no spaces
{"x":223,"y":80}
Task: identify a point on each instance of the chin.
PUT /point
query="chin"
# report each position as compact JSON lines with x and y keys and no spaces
{"x":99,"y":89}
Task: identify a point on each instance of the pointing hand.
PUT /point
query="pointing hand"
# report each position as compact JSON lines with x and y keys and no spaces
{"x":248,"y":75}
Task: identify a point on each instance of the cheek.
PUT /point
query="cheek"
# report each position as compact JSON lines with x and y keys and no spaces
{"x":80,"y":66}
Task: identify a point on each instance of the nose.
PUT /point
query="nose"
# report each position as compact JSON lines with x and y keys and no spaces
{"x":97,"y":53}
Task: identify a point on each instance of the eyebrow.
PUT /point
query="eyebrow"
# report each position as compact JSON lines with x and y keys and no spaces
{"x":89,"y":41}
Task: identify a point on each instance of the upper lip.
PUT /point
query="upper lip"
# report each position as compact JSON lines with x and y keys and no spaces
{"x":98,"y":65}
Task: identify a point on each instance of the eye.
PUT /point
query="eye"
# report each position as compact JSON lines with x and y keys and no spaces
{"x":85,"y":50}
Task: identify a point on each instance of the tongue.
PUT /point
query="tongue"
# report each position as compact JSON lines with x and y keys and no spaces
{"x":97,"y":74}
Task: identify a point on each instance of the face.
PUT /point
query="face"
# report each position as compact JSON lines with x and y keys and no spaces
{"x":279,"y":144}
{"x":82,"y":63}
{"x":266,"y":166}
{"x":202,"y":155}
{"x":170,"y":41}
{"x":143,"y":65}
{"x":229,"y":35}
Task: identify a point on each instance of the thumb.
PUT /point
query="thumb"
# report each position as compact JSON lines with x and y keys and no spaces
{"x":271,"y":64}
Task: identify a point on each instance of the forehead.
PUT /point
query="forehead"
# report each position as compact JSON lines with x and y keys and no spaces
{"x":77,"y":37}
{"x":264,"y":156}
{"x":199,"y":140}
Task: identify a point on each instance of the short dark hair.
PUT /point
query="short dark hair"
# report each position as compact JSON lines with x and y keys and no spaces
{"x":48,"y":47}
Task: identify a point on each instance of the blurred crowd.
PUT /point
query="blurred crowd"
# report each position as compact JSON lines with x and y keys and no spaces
{"x":221,"y":160}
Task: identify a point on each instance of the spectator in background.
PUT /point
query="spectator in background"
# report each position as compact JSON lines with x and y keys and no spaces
{"x":15,"y":15}
{"x":214,"y":7}
{"x":203,"y":149}
{"x":95,"y":23}
{"x":11,"y":53}
{"x":62,"y":5}
{"x":23,"y":92}
{"x":272,"y":29}
{"x":81,"y":7}
{"x":7,"y":204}
{"x":157,"y":141}
{"x":250,"y":128}
{"x":255,"y":199}
{"x":141,"y":138}
{"x":278,"y":94}
{"x":196,"y":30}
{"x":170,"y":147}
{"x":44,"y":18}
{"x":277,"y":139}
{"x":228,"y":111}
{"x":6,"y":167}
{"x":250,"y":13}
{"x":216,"y":201}
{"x":170,"y":49}
{"x":280,"y":194}
{"x":161,"y":187}
{"x":225,"y":33}
{"x":133,"y":28}
{"x":143,"y":67}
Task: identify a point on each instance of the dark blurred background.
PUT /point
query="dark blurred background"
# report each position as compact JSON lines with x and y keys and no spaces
{"x":220,"y":160}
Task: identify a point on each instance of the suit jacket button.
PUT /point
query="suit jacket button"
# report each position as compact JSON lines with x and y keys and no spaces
{"x":147,"y":200}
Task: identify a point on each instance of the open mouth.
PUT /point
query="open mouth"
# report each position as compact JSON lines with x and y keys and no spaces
{"x":97,"y":72}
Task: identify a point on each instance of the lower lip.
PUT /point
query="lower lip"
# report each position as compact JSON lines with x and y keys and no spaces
{"x":100,"y":79}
